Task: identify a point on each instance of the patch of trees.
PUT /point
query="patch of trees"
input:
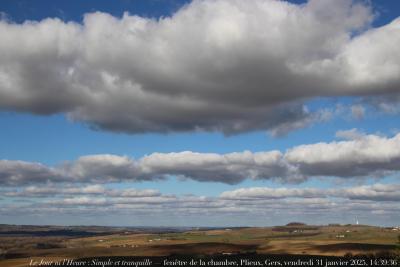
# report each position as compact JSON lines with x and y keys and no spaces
{"x":48,"y":245}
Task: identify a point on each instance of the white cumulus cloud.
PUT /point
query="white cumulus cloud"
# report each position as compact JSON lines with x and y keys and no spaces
{"x":214,"y":65}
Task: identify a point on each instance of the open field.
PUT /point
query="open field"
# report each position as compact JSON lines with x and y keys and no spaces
{"x":18,"y":246}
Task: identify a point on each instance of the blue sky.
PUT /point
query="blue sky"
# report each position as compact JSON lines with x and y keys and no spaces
{"x":20,"y":11}
{"x":51,"y":134}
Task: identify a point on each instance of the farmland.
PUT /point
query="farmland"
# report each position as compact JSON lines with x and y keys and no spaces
{"x":19,"y":246}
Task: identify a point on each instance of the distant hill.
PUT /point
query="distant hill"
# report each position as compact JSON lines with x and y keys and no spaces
{"x":296,"y":224}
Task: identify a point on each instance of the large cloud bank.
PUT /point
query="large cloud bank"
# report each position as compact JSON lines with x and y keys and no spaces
{"x":360,"y":156}
{"x":215,"y":65}
{"x":376,"y":203}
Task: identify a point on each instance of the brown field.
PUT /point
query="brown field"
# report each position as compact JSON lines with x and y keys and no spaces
{"x":17,"y":248}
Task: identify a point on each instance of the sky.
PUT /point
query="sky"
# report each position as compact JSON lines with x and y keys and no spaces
{"x":199,"y":113}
